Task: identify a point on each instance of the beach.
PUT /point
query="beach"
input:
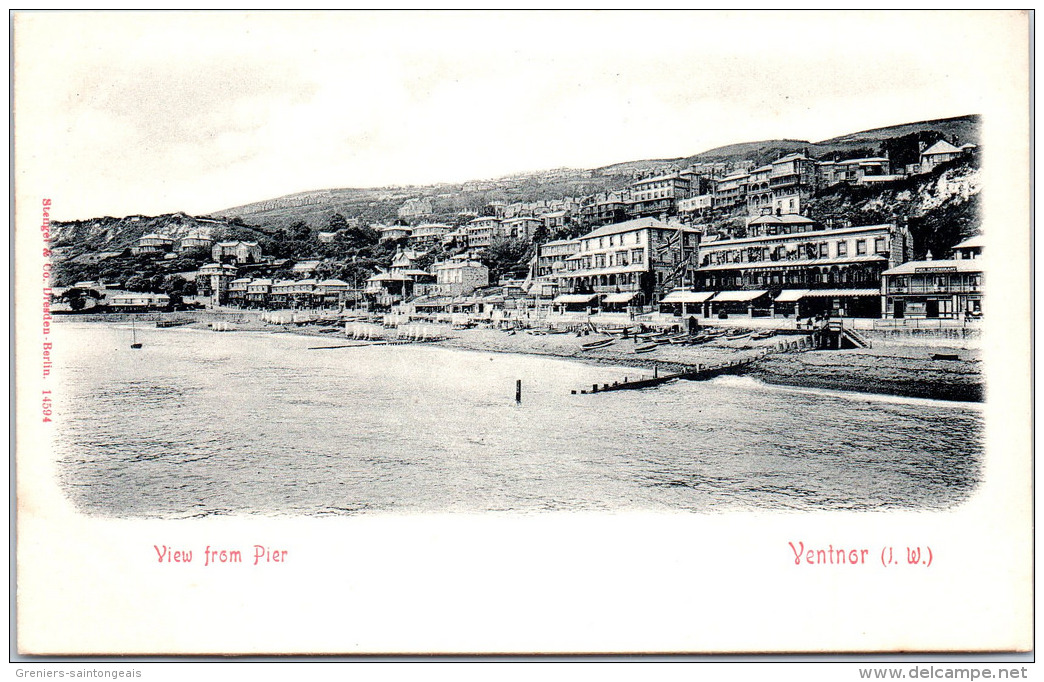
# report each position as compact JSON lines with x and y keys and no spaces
{"x":895,"y":364}
{"x":888,"y":367}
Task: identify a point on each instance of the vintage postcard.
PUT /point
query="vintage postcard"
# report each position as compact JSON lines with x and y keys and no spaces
{"x":522,"y":332}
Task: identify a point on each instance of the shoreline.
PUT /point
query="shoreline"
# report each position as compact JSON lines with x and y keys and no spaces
{"x":888,"y":368}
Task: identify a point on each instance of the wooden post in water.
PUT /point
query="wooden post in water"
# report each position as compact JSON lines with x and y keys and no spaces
{"x":518,"y":391}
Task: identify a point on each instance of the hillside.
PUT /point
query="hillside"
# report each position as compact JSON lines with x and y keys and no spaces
{"x":941,"y":207}
{"x":74,"y":237}
{"x":380,"y":204}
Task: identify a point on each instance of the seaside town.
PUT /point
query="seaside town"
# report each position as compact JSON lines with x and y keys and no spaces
{"x":721,"y":255}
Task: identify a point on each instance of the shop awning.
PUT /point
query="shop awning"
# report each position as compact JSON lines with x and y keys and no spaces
{"x":738,"y":295}
{"x":791,"y":295}
{"x":624,"y":297}
{"x":841,"y":293}
{"x":687,"y":297}
{"x":574,"y":298}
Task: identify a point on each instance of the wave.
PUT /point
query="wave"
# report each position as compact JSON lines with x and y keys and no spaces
{"x":750,"y":383}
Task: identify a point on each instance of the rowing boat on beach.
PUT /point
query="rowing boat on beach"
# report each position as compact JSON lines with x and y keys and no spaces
{"x":598,"y":344}
{"x":648,"y":348}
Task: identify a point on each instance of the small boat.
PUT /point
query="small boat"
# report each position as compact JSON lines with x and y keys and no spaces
{"x":768,"y":333}
{"x":945,"y":356}
{"x":737,"y":337}
{"x":134,"y":336}
{"x":598,"y":344}
{"x":648,"y":348}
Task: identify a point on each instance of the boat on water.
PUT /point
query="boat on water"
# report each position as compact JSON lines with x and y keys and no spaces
{"x":598,"y":344}
{"x":135,"y":345}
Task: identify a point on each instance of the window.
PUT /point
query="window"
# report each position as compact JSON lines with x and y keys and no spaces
{"x":879,"y":245}
{"x":612,"y":240}
{"x":600,"y":260}
{"x":861,"y":247}
{"x":842,"y":248}
{"x":824,"y":250}
{"x":637,"y":256}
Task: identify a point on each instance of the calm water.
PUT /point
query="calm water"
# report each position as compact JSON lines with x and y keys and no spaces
{"x":200,"y":423}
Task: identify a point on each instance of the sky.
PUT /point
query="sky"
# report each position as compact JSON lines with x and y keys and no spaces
{"x":154,"y":112}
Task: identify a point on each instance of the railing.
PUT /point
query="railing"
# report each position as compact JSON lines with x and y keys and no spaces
{"x":943,"y":289}
{"x":924,"y":323}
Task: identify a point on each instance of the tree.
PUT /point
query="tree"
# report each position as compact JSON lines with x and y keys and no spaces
{"x":337,"y":223}
{"x":136,"y":283}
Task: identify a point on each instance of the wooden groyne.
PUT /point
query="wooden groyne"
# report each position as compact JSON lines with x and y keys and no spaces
{"x":700,"y":373}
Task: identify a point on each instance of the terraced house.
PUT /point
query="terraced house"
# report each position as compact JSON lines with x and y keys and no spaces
{"x":630,"y":263}
{"x":793,"y":266}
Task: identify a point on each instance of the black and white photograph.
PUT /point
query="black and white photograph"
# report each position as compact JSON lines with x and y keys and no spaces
{"x":530,"y":332}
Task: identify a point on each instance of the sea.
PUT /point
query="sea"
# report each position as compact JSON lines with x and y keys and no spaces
{"x":199,"y":423}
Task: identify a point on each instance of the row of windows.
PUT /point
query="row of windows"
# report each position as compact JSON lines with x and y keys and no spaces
{"x":602,"y":260}
{"x":807,"y":250}
{"x":612,"y":240}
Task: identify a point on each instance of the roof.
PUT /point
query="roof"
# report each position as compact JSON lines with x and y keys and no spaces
{"x":656,"y":178}
{"x":976,"y":242}
{"x":563,"y":242}
{"x":448,"y":265}
{"x":954,"y":265}
{"x":791,"y":157}
{"x":388,"y":277}
{"x":333,"y":283}
{"x":631,"y":226}
{"x":789,"y":219}
{"x":219,"y":266}
{"x":940,"y":147}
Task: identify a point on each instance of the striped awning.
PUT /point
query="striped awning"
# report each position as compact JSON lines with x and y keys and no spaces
{"x":791,"y":295}
{"x":624,"y":297}
{"x":840,"y":293}
{"x":574,"y":298}
{"x":687,"y":297}
{"x":738,"y":295}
